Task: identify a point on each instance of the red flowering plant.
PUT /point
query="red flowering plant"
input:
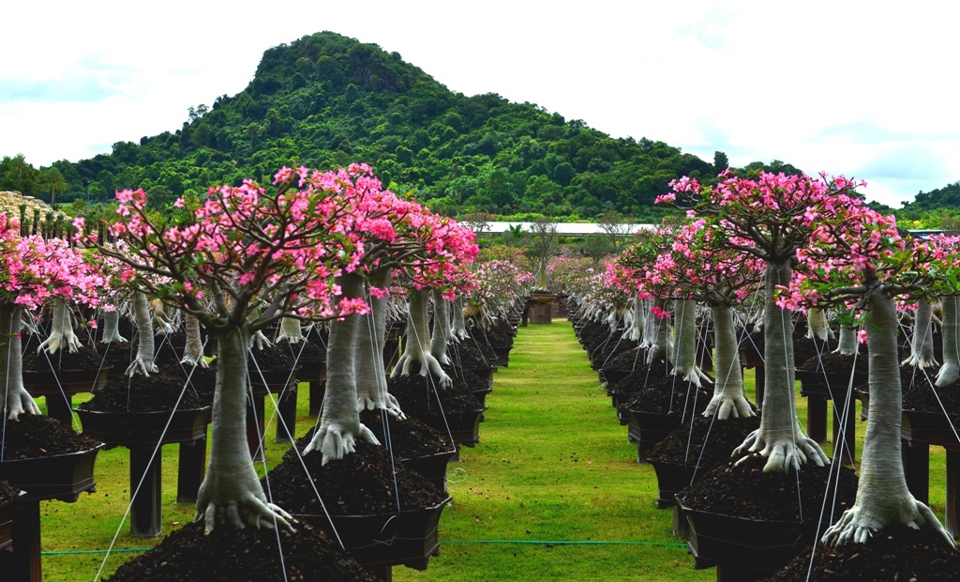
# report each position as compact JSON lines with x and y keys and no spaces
{"x":770,"y":217}
{"x":635,"y":272}
{"x":855,"y":258}
{"x":35,"y":271}
{"x":703,"y":268}
{"x":247,"y":256}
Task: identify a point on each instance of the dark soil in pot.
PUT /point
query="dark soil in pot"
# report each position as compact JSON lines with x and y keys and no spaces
{"x":409,"y":438}
{"x":897,"y":553}
{"x":708,"y":444}
{"x":250,"y":554}
{"x":669,"y":395}
{"x":470,"y":353}
{"x":40,"y":436}
{"x":923,"y":398}
{"x":155,"y":393}
{"x":627,"y":361}
{"x":278,"y":357}
{"x":744,"y":490}
{"x":362,"y":483}
{"x":82,"y":359}
{"x":838,"y":364}
{"x":636,"y":381}
{"x":7,"y":492}
{"x":498,"y":335}
{"x":418,"y":398}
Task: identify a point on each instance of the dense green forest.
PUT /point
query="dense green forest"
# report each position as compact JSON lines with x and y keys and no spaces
{"x":327,"y":100}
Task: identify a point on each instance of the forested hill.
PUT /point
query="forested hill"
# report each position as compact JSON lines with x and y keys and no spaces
{"x":327,"y":100}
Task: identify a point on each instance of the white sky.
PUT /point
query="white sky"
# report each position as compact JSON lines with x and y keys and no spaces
{"x":863,"y":89}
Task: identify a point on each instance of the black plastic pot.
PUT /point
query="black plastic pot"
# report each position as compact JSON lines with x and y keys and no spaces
{"x":930,"y":428}
{"x":671,"y":478}
{"x":464,"y":427}
{"x":433,"y":467}
{"x":145,"y":428}
{"x":745,"y":549}
{"x":59,"y":388}
{"x":62,"y":477}
{"x":408,"y":538}
{"x":8,"y":511}
{"x":649,"y":428}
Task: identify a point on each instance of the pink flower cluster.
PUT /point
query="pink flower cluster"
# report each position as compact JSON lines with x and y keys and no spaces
{"x":35,"y":269}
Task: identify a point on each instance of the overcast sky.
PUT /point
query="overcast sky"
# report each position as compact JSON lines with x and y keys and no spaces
{"x":864,"y":89}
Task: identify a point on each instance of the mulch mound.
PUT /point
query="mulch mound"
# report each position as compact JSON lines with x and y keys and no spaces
{"x":7,"y":492}
{"x":418,"y":398}
{"x":923,"y":398}
{"x":669,"y":395}
{"x":155,"y":393}
{"x":278,"y":357}
{"x":409,"y":438}
{"x":897,"y":553}
{"x":744,"y":490}
{"x":709,"y":443}
{"x":82,"y":359}
{"x":241,"y":555}
{"x":839,"y":364}
{"x":41,"y":436}
{"x":470,"y":354}
{"x":365,"y":482}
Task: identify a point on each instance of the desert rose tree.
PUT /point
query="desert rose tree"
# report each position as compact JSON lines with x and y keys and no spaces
{"x":857,"y":260}
{"x":701,"y":267}
{"x":767,"y":217}
{"x":400,"y":240}
{"x":33,"y":271}
{"x":240,"y":261}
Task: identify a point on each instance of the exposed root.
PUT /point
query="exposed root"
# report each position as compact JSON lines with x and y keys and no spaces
{"x":858,"y":524}
{"x":335,"y":442}
{"x":729,"y":407}
{"x":783,"y":454}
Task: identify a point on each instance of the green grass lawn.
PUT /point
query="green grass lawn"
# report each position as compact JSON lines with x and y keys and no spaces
{"x":553,"y":490}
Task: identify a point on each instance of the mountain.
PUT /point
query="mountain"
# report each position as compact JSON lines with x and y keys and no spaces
{"x":326,"y":100}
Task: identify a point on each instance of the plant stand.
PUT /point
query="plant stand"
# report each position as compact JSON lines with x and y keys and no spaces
{"x":380,"y":542}
{"x":919,"y":430}
{"x":60,"y":388}
{"x":818,"y":389}
{"x":143,"y":433}
{"x":61,"y":477}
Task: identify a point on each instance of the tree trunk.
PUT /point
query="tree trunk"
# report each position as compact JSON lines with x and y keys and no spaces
{"x":882,"y":495}
{"x":340,"y":425}
{"x":290,"y":331}
{"x":661,"y":348}
{"x":817,"y":325}
{"x":372,"y":337}
{"x":111,"y":328}
{"x":921,"y":342}
{"x":950,"y":370}
{"x":61,"y":329}
{"x":440,"y":334}
{"x":193,"y":347}
{"x":779,"y":437}
{"x":685,"y":342}
{"x":459,"y":327}
{"x":231,"y":491}
{"x":635,"y":331}
{"x":847,"y":344}
{"x":728,"y":398}
{"x":16,"y":399}
{"x":143,"y":362}
{"x":416,"y":349}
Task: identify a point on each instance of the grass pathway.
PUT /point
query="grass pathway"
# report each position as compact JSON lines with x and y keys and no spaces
{"x":553,"y":490}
